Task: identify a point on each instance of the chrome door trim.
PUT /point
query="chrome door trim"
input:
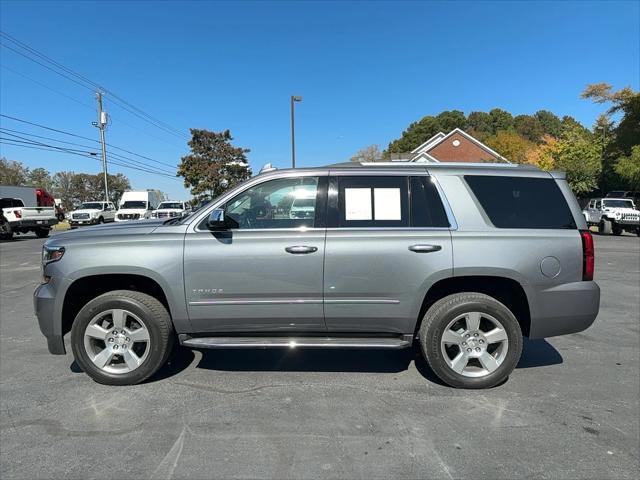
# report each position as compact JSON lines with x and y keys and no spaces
{"x":285,"y":301}
{"x":360,"y":301}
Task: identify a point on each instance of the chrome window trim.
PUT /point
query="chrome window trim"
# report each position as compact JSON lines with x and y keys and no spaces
{"x":453,"y":225}
{"x":252,"y":182}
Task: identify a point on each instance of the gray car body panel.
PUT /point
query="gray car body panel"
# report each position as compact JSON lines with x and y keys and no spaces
{"x":360,"y":280}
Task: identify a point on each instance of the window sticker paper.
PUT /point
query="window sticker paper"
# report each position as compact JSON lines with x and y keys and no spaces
{"x":357,"y":204}
{"x":387,"y":203}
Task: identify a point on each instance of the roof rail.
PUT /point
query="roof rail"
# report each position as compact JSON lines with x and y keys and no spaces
{"x":449,"y":164}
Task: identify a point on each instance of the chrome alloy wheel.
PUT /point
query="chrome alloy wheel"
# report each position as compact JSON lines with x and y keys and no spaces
{"x":117,"y":341}
{"x":474,"y":344}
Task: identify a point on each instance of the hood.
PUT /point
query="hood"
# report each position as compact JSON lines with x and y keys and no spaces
{"x":621,"y":210}
{"x":132,"y":210}
{"x":106,"y":231}
{"x":86,"y":210}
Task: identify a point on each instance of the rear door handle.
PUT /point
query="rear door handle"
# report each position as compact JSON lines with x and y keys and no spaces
{"x":425,"y":248}
{"x":300,"y":249}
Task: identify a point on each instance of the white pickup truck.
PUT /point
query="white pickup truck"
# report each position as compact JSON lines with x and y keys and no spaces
{"x":91,"y":213}
{"x":613,"y":215}
{"x":20,"y":207}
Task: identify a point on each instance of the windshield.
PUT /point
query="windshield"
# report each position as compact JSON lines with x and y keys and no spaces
{"x":91,"y":206}
{"x":618,"y":203}
{"x":134,"y":204}
{"x":177,"y":205}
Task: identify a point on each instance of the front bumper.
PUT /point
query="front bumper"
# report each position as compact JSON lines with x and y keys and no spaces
{"x":90,"y":221}
{"x":564,"y":309}
{"x":628,"y":223}
{"x":47,"y":305}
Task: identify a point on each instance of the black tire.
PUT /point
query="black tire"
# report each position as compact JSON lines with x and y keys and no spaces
{"x":616,"y":229}
{"x":604,"y":228}
{"x":6,"y":233}
{"x":447,"y":309}
{"x":100,"y":220}
{"x":42,"y":232}
{"x":150,"y":311}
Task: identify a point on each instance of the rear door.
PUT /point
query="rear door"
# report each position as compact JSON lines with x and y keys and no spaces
{"x":388,"y":240}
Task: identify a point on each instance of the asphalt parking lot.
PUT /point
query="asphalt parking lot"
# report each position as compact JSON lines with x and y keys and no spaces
{"x":570,"y":410}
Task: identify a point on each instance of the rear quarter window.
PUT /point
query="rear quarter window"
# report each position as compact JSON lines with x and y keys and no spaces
{"x":522,"y":202}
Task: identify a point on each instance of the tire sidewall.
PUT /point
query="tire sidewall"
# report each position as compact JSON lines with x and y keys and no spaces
{"x":101,"y":304}
{"x":431,"y":348}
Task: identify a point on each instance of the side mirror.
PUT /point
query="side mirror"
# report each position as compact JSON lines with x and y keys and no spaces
{"x":216,"y":220}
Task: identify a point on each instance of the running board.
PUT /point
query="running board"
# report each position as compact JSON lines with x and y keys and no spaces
{"x":395,"y":343}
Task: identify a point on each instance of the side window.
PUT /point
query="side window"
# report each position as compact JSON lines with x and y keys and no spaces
{"x":599,"y":204}
{"x":426,"y":206}
{"x":373,"y":201}
{"x":522,"y":202}
{"x":281,"y":203}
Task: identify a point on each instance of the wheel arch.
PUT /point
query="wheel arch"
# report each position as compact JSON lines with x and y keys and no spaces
{"x":506,"y":290}
{"x":83,"y":289}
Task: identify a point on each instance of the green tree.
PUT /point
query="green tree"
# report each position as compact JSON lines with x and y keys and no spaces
{"x":13,"y":173}
{"x":580,"y":156}
{"x":529,"y":127}
{"x":450,"y":120}
{"x":500,"y":120}
{"x":479,"y":125}
{"x":550,"y":123}
{"x":628,"y":167}
{"x":40,"y":178}
{"x":627,"y":133}
{"x":510,"y":145}
{"x":214,"y":164}
{"x":415,"y":135}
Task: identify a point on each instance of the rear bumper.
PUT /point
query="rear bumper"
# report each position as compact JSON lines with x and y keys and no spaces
{"x":564,"y":309}
{"x":48,"y":308}
{"x":28,"y":223}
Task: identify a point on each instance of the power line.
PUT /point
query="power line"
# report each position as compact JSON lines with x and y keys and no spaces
{"x":115,"y":98}
{"x":11,"y":132}
{"x":53,"y":148}
{"x":84,"y":138}
{"x":47,"y":87}
{"x":86,"y":105}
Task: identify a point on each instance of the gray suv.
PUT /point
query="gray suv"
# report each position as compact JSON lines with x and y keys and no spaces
{"x":462,"y":259}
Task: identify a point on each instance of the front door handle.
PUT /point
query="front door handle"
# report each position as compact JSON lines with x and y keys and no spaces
{"x":300,"y":249}
{"x":425,"y":248}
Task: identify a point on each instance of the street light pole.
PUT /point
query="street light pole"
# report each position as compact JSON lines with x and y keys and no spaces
{"x":294,"y":98}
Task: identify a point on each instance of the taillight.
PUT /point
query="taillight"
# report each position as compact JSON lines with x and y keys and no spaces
{"x":18,"y":213}
{"x":588,"y":255}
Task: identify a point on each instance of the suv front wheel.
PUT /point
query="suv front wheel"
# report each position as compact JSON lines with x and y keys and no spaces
{"x":470,"y":340}
{"x":122,"y":337}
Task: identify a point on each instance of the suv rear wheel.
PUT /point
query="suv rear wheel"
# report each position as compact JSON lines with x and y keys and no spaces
{"x":122,"y":337}
{"x":470,"y":340}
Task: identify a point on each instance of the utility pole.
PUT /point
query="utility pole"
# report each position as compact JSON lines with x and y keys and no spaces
{"x":294,"y":98}
{"x":101,"y":124}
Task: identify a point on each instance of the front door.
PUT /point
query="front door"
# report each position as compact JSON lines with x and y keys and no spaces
{"x":265,"y":272}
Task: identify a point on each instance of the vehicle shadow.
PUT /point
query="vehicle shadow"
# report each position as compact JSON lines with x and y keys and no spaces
{"x":536,"y":353}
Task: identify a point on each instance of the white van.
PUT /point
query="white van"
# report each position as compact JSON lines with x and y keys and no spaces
{"x":137,"y":205}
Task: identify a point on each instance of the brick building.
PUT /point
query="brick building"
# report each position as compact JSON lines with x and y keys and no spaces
{"x":455,"y":146}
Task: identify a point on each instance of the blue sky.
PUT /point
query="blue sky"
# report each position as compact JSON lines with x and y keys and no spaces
{"x":365,"y":70}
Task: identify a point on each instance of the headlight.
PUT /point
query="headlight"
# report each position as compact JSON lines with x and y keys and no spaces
{"x":51,"y":254}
